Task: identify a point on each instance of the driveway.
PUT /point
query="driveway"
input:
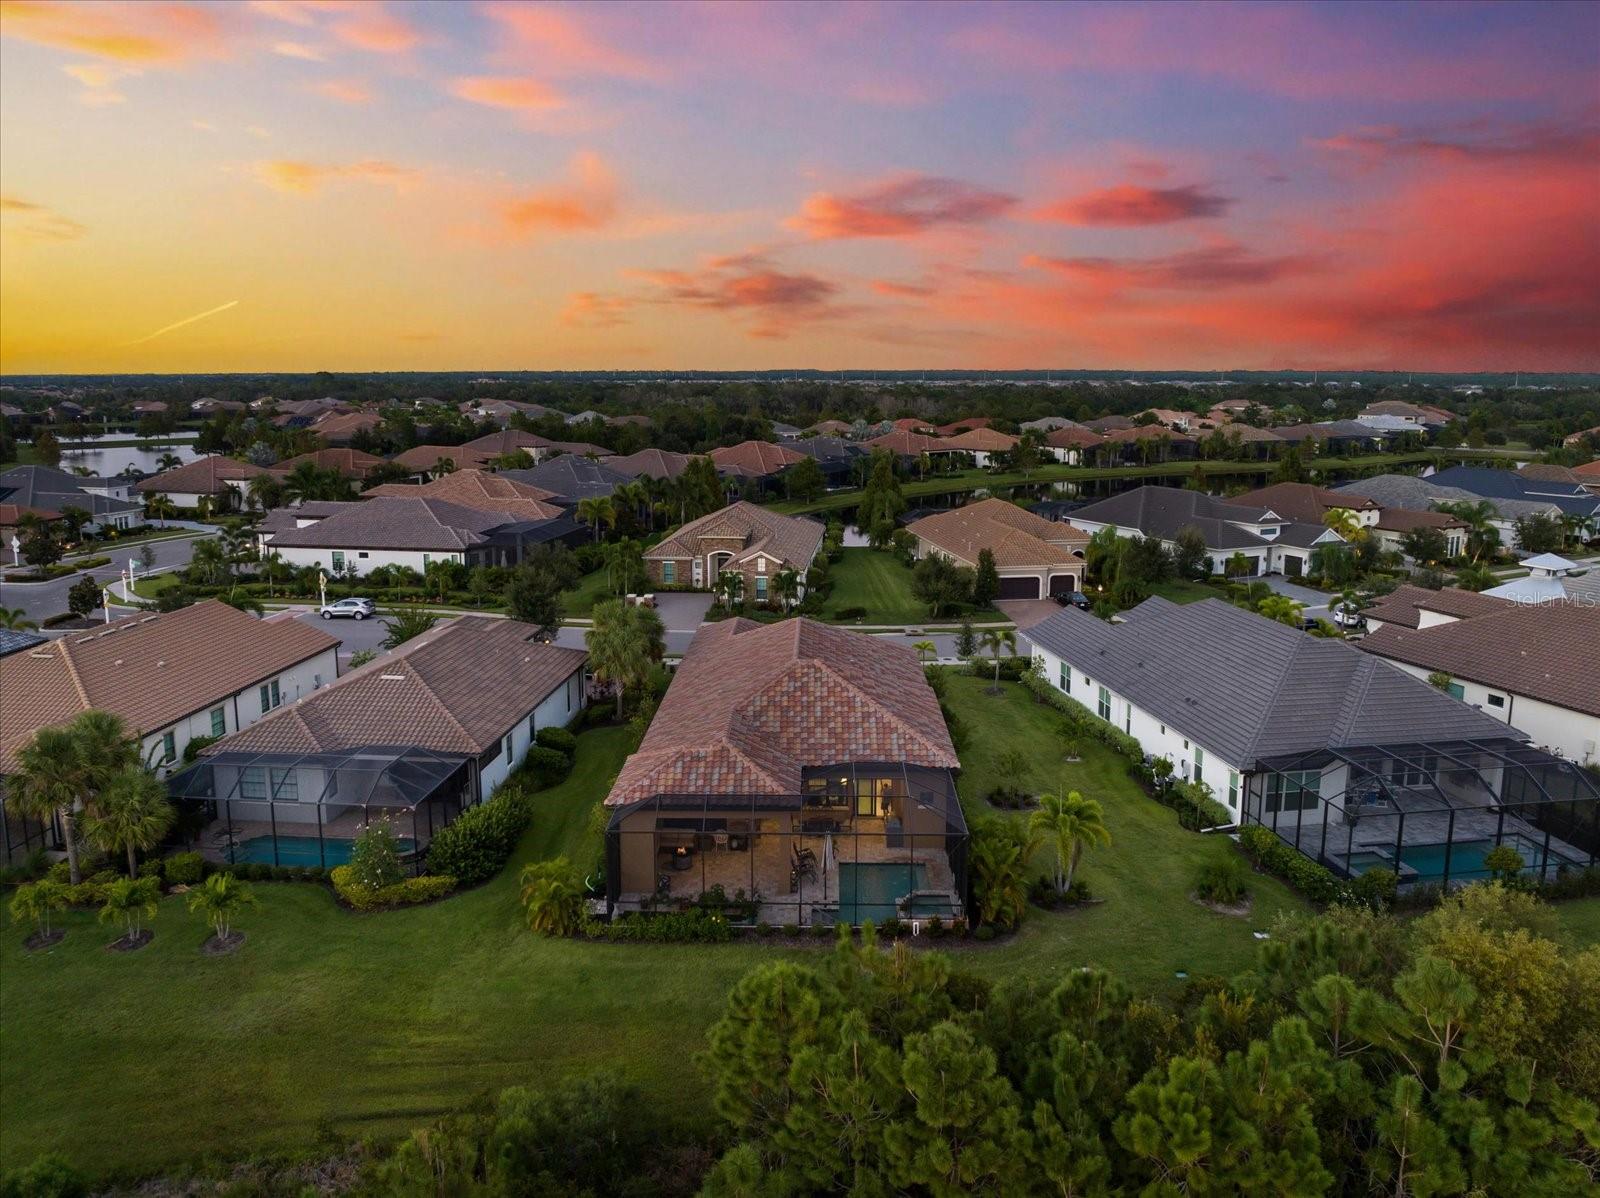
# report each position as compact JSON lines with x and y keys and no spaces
{"x":352,"y":634}
{"x":683,"y":611}
{"x":1316,"y":601}
{"x":1024,"y":613}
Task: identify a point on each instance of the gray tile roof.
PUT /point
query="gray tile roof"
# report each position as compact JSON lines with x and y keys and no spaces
{"x":1421,"y":494}
{"x":14,"y":640}
{"x":1163,"y":511}
{"x":49,"y":489}
{"x":571,"y":477}
{"x":1247,"y":689}
{"x":415,"y":524}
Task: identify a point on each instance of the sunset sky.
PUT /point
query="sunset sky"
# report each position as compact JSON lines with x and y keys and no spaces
{"x":318,"y":184}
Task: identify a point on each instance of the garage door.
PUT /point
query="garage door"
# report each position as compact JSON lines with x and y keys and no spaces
{"x":1063,"y":584}
{"x":1019,"y":588}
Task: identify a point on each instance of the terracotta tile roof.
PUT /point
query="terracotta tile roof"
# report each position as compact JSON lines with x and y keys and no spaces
{"x":1399,"y":519}
{"x":979,"y":440}
{"x":835,"y":427}
{"x":906,"y":444}
{"x":792,"y":540}
{"x":651,"y":463}
{"x":755,"y":458}
{"x":1073,"y":438}
{"x":1303,"y":501}
{"x":391,"y":523}
{"x":509,"y":440}
{"x":341,"y":426}
{"x":280,"y":518}
{"x":1588,"y":473}
{"x":351,"y":463}
{"x":961,"y":426}
{"x":584,"y":449}
{"x":11,"y":513}
{"x":1246,"y":434}
{"x":477,"y":489}
{"x":151,"y":669}
{"x":422,"y":458}
{"x":1017,"y":538}
{"x":911,"y":424}
{"x":1549,"y":652}
{"x":1403,"y":605}
{"x":1146,"y":432}
{"x":456,"y":689}
{"x":203,"y":476}
{"x":753,"y":705}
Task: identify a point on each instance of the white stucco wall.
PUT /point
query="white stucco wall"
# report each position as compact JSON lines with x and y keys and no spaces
{"x":556,"y":711}
{"x":242,"y":708}
{"x":1571,"y":734}
{"x":364,"y":560}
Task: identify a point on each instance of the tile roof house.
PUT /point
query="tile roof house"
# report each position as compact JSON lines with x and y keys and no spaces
{"x":1570,"y":496}
{"x":836,"y":456}
{"x":46,"y":491}
{"x":509,"y":441}
{"x":962,"y":426}
{"x":1410,"y":606}
{"x":1034,"y":557}
{"x":202,"y":670}
{"x":1416,"y":415}
{"x":1309,"y":504}
{"x":984,"y":444}
{"x":752,"y":540}
{"x":423,"y":460}
{"x":754,"y":459}
{"x":412,"y":738}
{"x":1345,"y":756}
{"x":571,"y":478}
{"x":650,"y":463}
{"x":904,"y":443}
{"x":1270,"y":543}
{"x":1424,"y":494}
{"x":1394,"y":522}
{"x":215,"y":477}
{"x":15,"y":640}
{"x":913,"y":424}
{"x":1071,"y":443}
{"x":1535,"y":666}
{"x":350,"y":463}
{"x":831,"y":428}
{"x":803,"y":756}
{"x":337,"y":428}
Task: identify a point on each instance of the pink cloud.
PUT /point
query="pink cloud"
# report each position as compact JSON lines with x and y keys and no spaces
{"x":560,"y":41}
{"x":586,"y":202}
{"x":1225,"y":264}
{"x":145,"y":35}
{"x":1132,"y":206}
{"x":770,"y":302}
{"x":376,"y":30}
{"x":901,"y":207}
{"x":514,"y":92}
{"x":304,"y":178}
{"x":345,"y":91}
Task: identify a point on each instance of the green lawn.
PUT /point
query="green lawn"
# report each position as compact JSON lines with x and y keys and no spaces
{"x":875,"y":580}
{"x":1580,"y":920}
{"x":1185,"y":590}
{"x":379,"y":1022}
{"x":591,"y":589}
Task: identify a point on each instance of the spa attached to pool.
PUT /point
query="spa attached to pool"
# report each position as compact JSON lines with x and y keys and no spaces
{"x":802,"y":768}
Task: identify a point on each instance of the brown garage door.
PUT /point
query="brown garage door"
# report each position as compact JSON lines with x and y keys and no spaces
{"x":1019,"y":588}
{"x":1062,"y":584}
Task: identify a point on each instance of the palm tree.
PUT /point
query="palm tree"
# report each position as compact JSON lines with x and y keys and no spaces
{"x":38,"y":902}
{"x":16,"y":619}
{"x":407,"y":623}
{"x":625,"y":643}
{"x":730,"y":585}
{"x":999,"y":851}
{"x":160,"y":507}
{"x":48,"y":785}
{"x":1476,"y":578}
{"x":132,"y":903}
{"x":74,"y":518}
{"x":202,"y":506}
{"x":1070,"y":823}
{"x":1282,"y":609}
{"x":595,"y":511}
{"x":243,"y":601}
{"x":208,"y":563}
{"x":786,"y":585}
{"x":132,"y":813}
{"x":273,"y":569}
{"x":633,"y":497}
{"x":994,"y":640}
{"x":168,"y":461}
{"x":926,"y":651}
{"x":624,"y":563}
{"x":219,"y":900}
{"x":1478,"y":516}
{"x":265,"y":490}
{"x":552,"y":897}
{"x":1346,"y":523}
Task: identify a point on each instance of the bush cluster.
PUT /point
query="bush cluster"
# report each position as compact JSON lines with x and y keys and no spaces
{"x":1222,"y":881}
{"x":397,"y":894}
{"x":558,"y":739}
{"x":478,"y":844}
{"x":546,"y":767}
{"x":1268,"y":852}
{"x":697,"y":925}
{"x":1195,"y":805}
{"x":1080,"y":720}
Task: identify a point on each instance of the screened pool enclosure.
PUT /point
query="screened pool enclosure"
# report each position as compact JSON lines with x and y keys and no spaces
{"x":863,"y":841}
{"x":308,"y":808}
{"x":1431,"y":812}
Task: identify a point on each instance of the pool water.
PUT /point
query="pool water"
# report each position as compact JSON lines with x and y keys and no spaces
{"x":1466,"y":859}
{"x":873,"y":891}
{"x":302,"y":850}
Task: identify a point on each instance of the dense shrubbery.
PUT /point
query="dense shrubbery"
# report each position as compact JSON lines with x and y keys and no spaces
{"x":557,"y":738}
{"x":395,"y":894}
{"x":697,"y":925}
{"x":479,"y":843}
{"x":1222,"y":881}
{"x":1270,"y":853}
{"x":545,"y":767}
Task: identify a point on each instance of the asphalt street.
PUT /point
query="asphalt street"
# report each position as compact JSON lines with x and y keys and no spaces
{"x":41,"y":599}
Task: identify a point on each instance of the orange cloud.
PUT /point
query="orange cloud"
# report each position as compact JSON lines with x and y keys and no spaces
{"x":589,"y":201}
{"x":1133,"y":206}
{"x":513,"y":92}
{"x":1225,"y":264}
{"x":346,"y":91}
{"x":143,"y":34}
{"x":299,"y":12}
{"x":304,"y":178}
{"x":777,"y":301}
{"x":1481,"y":141}
{"x":99,"y":82}
{"x":34,"y":222}
{"x":558,"y":42}
{"x":297,"y":50}
{"x":377,"y":31}
{"x":901,"y":207}
{"x":591,"y":310}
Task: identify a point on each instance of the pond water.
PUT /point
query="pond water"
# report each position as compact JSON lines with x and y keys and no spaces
{"x":111,"y":460}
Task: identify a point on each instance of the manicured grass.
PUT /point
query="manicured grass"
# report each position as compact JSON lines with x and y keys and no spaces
{"x":380,"y":1022}
{"x":1580,"y":920}
{"x":877,"y":581}
{"x":1185,"y":590}
{"x":1147,"y":928}
{"x":152,"y":586}
{"x":591,"y":589}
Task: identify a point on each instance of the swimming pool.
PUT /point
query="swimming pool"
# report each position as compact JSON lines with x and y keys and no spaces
{"x":874,"y":890}
{"x":1426,"y":862}
{"x":302,"y":850}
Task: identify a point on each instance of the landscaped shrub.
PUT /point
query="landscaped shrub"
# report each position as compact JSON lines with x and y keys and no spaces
{"x":481,"y":841}
{"x":559,"y":739}
{"x":890,"y":927}
{"x":403,"y":893}
{"x":984,"y":931}
{"x":546,"y":767}
{"x":1282,"y":860}
{"x":90,"y":563}
{"x":1221,"y":881}
{"x":1375,"y":888}
{"x":682,"y":927}
{"x":552,"y":897}
{"x":1195,"y":805}
{"x":375,"y":859}
{"x":48,"y":1176}
{"x":1572,"y":883}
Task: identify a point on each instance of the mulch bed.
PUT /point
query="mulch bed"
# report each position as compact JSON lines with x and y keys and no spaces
{"x":131,"y":944}
{"x":40,"y":941}
{"x":217,"y":947}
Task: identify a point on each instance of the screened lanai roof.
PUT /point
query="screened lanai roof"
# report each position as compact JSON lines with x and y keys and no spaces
{"x":400,"y":777}
{"x":1420,"y":771}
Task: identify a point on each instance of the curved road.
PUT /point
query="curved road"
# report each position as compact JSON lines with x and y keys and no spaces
{"x":41,"y":599}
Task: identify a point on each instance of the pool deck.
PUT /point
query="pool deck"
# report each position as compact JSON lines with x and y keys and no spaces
{"x":213,"y":844}
{"x":1376,"y":834}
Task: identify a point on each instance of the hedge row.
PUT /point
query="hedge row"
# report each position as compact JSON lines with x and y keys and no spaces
{"x":1376,"y":888}
{"x":1083,"y":722}
{"x":479,"y":843}
{"x":401,"y":894}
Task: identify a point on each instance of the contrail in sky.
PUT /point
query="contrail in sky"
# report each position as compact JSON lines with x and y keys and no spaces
{"x":178,"y":324}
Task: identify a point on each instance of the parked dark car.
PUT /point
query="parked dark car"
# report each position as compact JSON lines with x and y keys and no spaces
{"x":1074,"y":599}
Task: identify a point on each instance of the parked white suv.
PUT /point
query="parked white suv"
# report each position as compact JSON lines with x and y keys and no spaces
{"x":356,"y":609}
